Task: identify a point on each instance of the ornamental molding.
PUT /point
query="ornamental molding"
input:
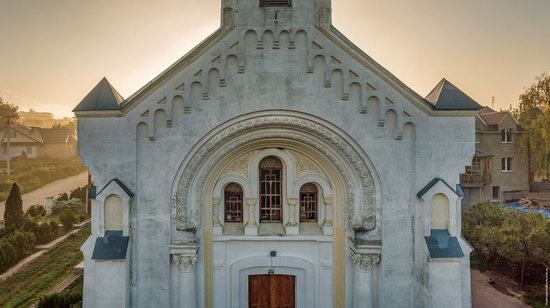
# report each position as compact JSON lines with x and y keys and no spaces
{"x":240,"y":166}
{"x":304,"y":164}
{"x":365,"y":263}
{"x":184,"y":262}
{"x":188,"y":197}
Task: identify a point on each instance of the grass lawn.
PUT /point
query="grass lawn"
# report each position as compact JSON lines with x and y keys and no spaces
{"x":31,"y":174}
{"x":27,"y":286}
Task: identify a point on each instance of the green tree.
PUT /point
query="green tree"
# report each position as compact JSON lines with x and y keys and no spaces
{"x":8,"y":255}
{"x":13,"y":214}
{"x":23,"y":242}
{"x":534,"y":116}
{"x":480,"y":227}
{"x":8,"y":110}
{"x":67,"y":219}
{"x":520,"y":237}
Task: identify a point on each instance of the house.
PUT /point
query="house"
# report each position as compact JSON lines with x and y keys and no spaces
{"x":34,"y":118}
{"x":499,"y":171}
{"x":35,"y":142}
{"x":276,"y":165}
{"x":58,"y":142}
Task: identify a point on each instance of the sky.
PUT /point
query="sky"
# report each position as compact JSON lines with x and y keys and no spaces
{"x":53,"y":52}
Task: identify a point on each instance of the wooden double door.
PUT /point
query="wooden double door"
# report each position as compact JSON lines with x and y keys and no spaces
{"x":271,"y":291}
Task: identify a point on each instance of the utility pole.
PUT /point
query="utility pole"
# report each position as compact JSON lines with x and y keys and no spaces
{"x":8,"y":128}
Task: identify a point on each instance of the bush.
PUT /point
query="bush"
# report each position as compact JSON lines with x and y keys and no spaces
{"x":68,"y":219}
{"x":23,"y":242}
{"x":63,"y":197}
{"x":14,"y":248}
{"x":62,"y":300}
{"x":55,"y":226}
{"x":78,"y":193}
{"x":8,"y":255}
{"x":36,"y":210}
{"x":43,"y":231}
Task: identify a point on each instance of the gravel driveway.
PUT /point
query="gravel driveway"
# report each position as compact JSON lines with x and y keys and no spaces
{"x":485,"y":296}
{"x":53,"y":189}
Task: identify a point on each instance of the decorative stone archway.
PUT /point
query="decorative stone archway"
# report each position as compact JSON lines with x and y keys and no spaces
{"x":355,"y":202}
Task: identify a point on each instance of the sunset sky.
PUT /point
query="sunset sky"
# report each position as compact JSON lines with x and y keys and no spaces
{"x":52,"y":52}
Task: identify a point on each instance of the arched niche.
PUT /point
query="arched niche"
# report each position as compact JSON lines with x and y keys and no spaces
{"x":439,"y":218}
{"x":112,"y":207}
{"x":113,"y":213}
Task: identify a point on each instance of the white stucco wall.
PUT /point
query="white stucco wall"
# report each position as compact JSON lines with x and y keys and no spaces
{"x":147,"y":156}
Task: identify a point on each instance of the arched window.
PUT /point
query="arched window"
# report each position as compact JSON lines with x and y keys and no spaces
{"x":233,"y":203}
{"x":308,"y":203}
{"x":113,"y":213}
{"x":271,"y":190}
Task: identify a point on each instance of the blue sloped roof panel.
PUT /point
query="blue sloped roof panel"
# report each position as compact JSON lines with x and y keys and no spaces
{"x":113,"y":246}
{"x":442,"y":245}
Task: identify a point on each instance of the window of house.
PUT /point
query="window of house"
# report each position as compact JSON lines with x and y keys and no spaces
{"x":308,"y":203}
{"x":233,"y":203}
{"x":506,"y":136}
{"x":271,"y":195}
{"x":275,"y":3}
{"x":506,"y":163}
{"x":496,"y":193}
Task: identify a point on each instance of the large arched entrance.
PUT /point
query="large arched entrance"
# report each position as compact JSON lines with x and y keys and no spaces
{"x":239,"y":193}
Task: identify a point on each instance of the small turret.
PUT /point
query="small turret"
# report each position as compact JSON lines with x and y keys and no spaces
{"x":102,"y":97}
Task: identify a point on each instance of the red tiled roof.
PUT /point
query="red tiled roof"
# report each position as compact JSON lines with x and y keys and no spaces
{"x":493,"y":118}
{"x":486,"y":109}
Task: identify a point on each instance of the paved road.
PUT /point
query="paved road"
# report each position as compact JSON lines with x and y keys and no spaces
{"x":485,"y":296}
{"x":53,"y":189}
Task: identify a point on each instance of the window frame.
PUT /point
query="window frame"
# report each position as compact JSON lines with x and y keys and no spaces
{"x":506,"y":164}
{"x":272,"y":192}
{"x":506,"y":136}
{"x":232,"y":206}
{"x":305,"y":205}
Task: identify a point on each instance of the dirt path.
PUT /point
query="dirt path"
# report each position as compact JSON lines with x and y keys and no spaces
{"x":52,"y":189}
{"x":486,"y":296}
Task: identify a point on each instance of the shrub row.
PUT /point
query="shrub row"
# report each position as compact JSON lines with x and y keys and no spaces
{"x":15,"y":247}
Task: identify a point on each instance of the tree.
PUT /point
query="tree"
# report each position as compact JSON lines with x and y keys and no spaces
{"x":13,"y":214}
{"x":534,"y":117}
{"x":8,"y":110}
{"x":67,"y":219}
{"x":520,"y":240}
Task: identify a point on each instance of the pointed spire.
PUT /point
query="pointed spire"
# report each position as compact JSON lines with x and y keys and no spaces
{"x":446,"y":96}
{"x":102,"y":97}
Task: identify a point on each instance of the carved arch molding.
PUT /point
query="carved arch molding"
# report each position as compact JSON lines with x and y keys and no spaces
{"x":347,"y":158}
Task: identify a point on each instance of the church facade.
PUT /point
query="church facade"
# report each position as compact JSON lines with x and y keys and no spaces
{"x":276,"y":165}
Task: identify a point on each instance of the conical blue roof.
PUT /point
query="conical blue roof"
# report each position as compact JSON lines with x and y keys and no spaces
{"x":446,"y":96}
{"x":102,"y":97}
